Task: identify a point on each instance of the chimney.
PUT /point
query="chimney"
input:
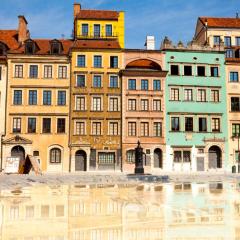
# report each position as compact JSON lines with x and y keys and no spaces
{"x":237,"y":16}
{"x":150,"y":43}
{"x":23,"y":33}
{"x":76,"y":9}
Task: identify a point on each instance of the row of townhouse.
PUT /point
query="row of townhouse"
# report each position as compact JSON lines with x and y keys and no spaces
{"x":83,"y":104}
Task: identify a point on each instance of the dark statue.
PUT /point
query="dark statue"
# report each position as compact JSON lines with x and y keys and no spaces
{"x":139,"y":169}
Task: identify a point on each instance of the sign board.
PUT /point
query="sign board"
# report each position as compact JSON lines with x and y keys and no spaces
{"x":12,"y":164}
{"x":35,"y":164}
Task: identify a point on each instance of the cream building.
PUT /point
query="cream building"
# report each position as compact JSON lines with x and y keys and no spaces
{"x":226,"y":31}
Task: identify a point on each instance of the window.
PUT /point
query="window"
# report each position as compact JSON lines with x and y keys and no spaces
{"x":201,"y":97}
{"x":31,"y":125}
{"x":188,"y":124}
{"x":30,"y":47}
{"x":215,"y":96}
{"x":18,"y":71}
{"x":202,"y":124}
{"x":61,"y":98}
{"x":144,"y":129}
{"x":113,"y":128}
{"x":32,"y":97}
{"x":233,"y":76}
{"x":157,"y":129}
{"x":97,"y":81}
{"x":144,"y":105}
{"x":237,"y":156}
{"x":47,"y":71}
{"x":132,"y":104}
{"x":81,"y":61}
{"x":227,"y":41}
{"x":56,"y":47}
{"x":237,"y":41}
{"x":131,"y":156}
{"x":108,"y":30}
{"x":156,"y":105}
{"x":80,"y":128}
{"x":229,"y":53}
{"x":97,"y":61}
{"x":17,"y":98}
{"x":188,"y":94}
{"x":106,"y":158}
{"x":44,"y":211}
{"x":33,"y":71}
{"x":62,"y":72}
{"x":174,"y":70}
{"x":214,"y":71}
{"x":29,"y":211}
{"x":201,"y":71}
{"x":144,"y":84}
{"x":16,"y":125}
{"x":81,"y":81}
{"x":55,"y":155}
{"x":113,"y":104}
{"x":181,"y":156}
{"x":186,"y":156}
{"x":156,"y":85}
{"x":96,"y":30}
{"x":235,"y":129}
{"x":215,"y":124}
{"x":113,"y":62}
{"x":216,"y":40}
{"x":175,"y":124}
{"x":96,"y":128}
{"x":59,"y":211}
{"x":97,"y":104}
{"x":132,"y":129}
{"x":61,"y":125}
{"x":177,"y":156}
{"x":132,"y":84}
{"x":174,"y":94}
{"x":80,"y":103}
{"x":46,"y":127}
{"x":85,"y":29}
{"x":235,"y":104}
{"x":113,"y":82}
{"x":188,"y":70}
{"x":47,"y":97}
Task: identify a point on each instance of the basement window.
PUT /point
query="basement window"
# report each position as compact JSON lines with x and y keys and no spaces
{"x":174,"y":70}
{"x":188,"y":70}
{"x":201,"y":71}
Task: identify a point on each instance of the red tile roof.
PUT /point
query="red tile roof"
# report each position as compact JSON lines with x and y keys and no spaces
{"x":98,"y":14}
{"x":221,"y":22}
{"x":96,"y":44}
{"x":43,"y":46}
{"x":10,"y":38}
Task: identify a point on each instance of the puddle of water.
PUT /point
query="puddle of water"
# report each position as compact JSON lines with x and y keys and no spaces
{"x":179,"y":211}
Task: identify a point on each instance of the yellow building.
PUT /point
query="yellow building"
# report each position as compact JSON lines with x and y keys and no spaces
{"x":38,"y":101}
{"x":95,"y":138}
{"x":226,"y":31}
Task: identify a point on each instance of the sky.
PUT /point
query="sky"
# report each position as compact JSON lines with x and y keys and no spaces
{"x":173,"y":18}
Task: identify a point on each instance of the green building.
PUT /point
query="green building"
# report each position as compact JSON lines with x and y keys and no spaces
{"x":196,"y":110}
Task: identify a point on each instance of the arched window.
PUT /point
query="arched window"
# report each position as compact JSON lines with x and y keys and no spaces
{"x":55,"y":155}
{"x":131,"y":156}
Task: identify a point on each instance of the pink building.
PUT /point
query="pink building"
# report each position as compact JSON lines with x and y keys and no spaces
{"x":143,"y":81}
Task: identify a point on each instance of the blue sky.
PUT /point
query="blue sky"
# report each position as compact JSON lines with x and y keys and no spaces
{"x":173,"y":18}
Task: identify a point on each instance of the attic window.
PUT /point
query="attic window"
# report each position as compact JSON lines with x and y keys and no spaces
{"x":3,"y":49}
{"x":55,"y":48}
{"x":30,"y":47}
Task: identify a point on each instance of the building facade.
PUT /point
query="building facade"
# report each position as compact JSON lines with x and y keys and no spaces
{"x":226,"y":31}
{"x":196,"y":109}
{"x":95,"y":138}
{"x":38,"y":101}
{"x":143,"y":83}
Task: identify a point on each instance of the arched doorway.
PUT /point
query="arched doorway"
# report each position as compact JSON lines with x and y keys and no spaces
{"x":80,"y":161}
{"x":157,"y":158}
{"x":214,"y":157}
{"x":18,"y":151}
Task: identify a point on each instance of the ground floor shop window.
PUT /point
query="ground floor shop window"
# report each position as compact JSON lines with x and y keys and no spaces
{"x":106,"y":158}
{"x":181,"y":156}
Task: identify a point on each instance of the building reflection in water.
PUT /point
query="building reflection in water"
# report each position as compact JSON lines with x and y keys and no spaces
{"x":81,"y":212}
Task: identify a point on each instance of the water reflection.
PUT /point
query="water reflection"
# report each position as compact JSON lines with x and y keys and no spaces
{"x":81,"y":212}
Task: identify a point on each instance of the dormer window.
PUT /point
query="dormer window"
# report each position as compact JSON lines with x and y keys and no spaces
{"x":30,"y":47}
{"x":3,"y":49}
{"x":56,"y":47}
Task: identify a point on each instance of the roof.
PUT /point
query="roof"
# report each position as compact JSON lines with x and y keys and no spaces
{"x":96,"y":44}
{"x":43,"y":46}
{"x":98,"y":14}
{"x":221,"y":22}
{"x":10,"y":38}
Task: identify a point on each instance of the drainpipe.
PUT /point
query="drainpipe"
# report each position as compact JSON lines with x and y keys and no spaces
{"x":206,"y":27}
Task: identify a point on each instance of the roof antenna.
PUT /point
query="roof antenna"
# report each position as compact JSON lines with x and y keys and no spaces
{"x":237,"y":15}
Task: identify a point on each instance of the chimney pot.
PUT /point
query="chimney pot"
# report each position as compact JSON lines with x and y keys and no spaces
{"x":76,"y":9}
